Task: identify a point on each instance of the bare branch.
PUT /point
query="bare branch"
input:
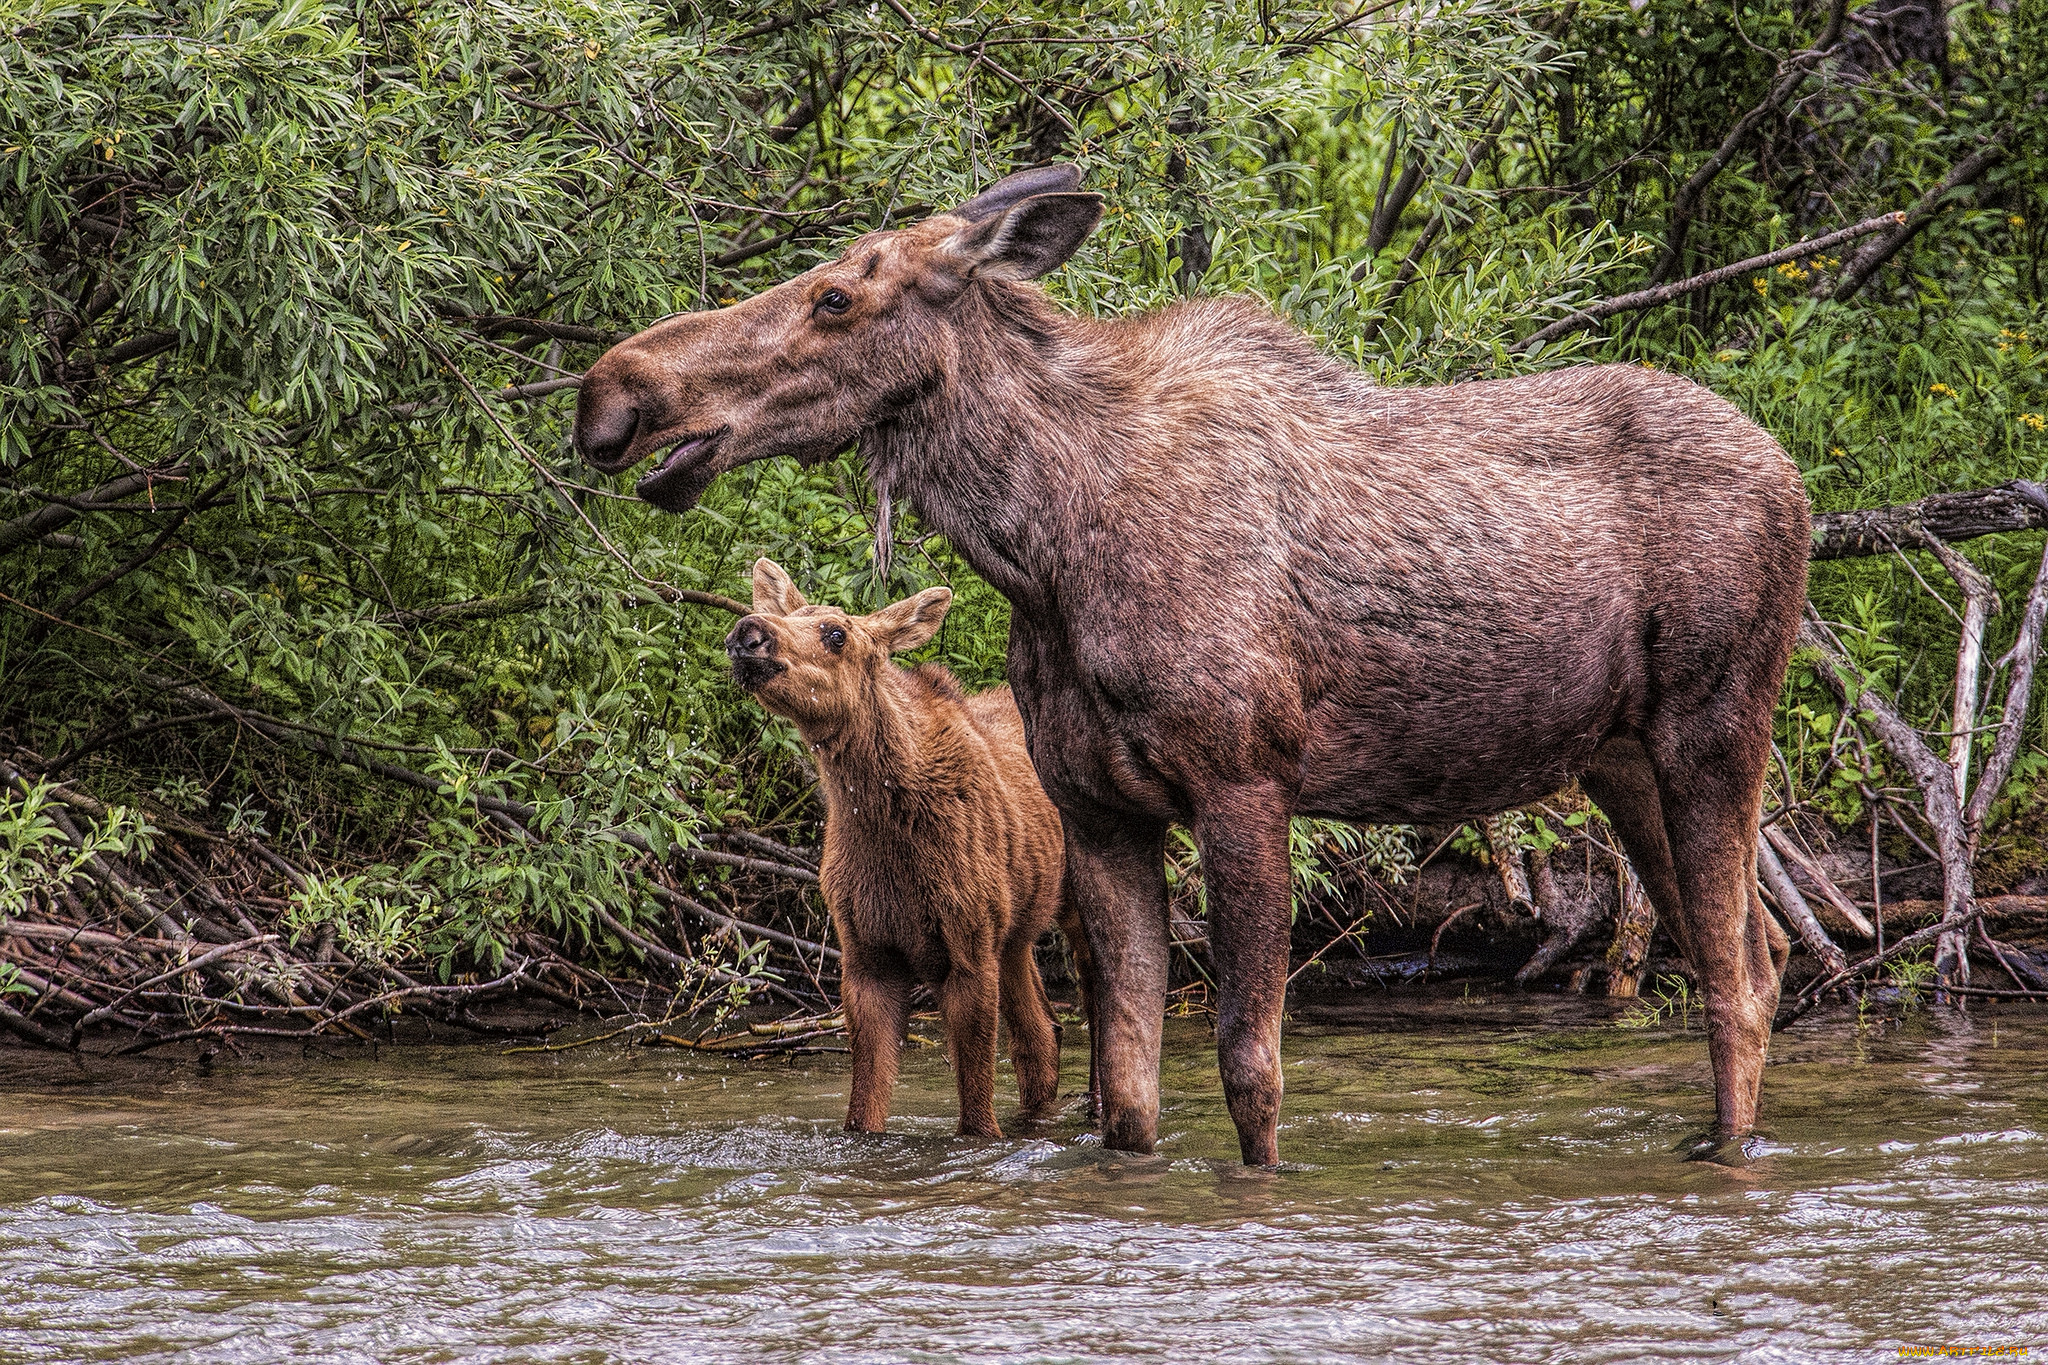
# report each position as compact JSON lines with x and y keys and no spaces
{"x":1664,"y":293}
{"x":1792,"y":904}
{"x":1945,"y":516}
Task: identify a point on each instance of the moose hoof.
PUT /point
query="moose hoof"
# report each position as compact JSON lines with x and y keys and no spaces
{"x":1720,"y":1149}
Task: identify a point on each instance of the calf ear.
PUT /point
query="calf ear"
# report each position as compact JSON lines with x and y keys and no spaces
{"x":774,"y":593}
{"x":1031,"y":238}
{"x":909,"y":623}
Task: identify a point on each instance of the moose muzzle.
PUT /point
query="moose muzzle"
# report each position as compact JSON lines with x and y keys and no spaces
{"x":750,"y":646}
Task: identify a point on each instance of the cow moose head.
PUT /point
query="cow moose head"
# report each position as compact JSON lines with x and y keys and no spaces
{"x":803,"y":368}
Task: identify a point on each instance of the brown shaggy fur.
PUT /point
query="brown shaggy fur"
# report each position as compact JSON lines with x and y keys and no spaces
{"x":1249,"y":584}
{"x":942,"y":855}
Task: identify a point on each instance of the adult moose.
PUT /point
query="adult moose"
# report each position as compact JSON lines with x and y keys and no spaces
{"x":1249,"y":584}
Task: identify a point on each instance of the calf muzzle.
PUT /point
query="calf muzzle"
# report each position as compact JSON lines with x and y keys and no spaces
{"x":751,"y":647}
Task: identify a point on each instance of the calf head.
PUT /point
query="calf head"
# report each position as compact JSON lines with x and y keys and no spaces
{"x":817,"y":665}
{"x":805,"y":367}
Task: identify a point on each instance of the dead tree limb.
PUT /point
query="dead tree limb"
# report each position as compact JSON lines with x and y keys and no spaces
{"x":1635,"y":920}
{"x":1565,"y":922}
{"x":1949,"y":517}
{"x":1844,"y":910}
{"x":1665,"y":293}
{"x":1779,"y":885}
{"x":1936,"y":780}
{"x":2022,"y":659}
{"x":1793,"y":71}
{"x":1980,"y":604}
{"x":1508,"y":861}
{"x":1872,"y":256}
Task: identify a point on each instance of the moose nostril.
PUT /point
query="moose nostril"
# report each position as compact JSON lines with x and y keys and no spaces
{"x":604,"y":430}
{"x":749,"y":640}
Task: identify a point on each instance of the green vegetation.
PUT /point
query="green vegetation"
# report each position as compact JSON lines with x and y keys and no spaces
{"x":293,"y":551}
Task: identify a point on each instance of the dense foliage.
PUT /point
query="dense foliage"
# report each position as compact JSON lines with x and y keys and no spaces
{"x":294,"y":296}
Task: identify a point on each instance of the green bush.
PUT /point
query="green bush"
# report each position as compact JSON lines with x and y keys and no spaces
{"x":285,"y":289}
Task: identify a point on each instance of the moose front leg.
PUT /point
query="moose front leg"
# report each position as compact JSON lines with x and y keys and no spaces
{"x":877,"y":1006}
{"x":1116,"y":880}
{"x":1242,"y":834}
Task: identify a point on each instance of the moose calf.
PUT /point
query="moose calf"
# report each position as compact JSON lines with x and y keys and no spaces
{"x":943,"y":858}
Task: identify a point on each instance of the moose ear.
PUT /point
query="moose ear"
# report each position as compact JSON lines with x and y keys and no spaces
{"x":774,"y":593}
{"x":909,"y":623}
{"x":1007,"y":192}
{"x":1031,"y":238}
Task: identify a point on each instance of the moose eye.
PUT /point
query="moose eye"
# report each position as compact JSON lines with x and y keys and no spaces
{"x":833,"y":301}
{"x":835,"y":638}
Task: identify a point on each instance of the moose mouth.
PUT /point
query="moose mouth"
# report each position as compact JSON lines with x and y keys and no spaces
{"x":684,"y":473}
{"x":753,"y":674}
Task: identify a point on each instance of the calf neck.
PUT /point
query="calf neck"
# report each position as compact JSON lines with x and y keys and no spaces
{"x":1249,"y":584}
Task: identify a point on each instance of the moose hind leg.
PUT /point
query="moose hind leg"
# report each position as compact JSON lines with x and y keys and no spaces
{"x":1624,"y":785}
{"x":1034,"y":1036}
{"x":1737,"y":953}
{"x":1245,"y":872}
{"x":1084,"y":986}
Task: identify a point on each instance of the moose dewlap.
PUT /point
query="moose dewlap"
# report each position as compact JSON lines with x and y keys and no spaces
{"x":943,"y":860}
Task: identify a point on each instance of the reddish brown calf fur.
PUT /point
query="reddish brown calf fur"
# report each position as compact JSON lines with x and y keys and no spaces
{"x":1246,"y":584}
{"x":942,"y":855}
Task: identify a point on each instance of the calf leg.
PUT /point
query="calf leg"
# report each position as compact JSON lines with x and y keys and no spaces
{"x":877,"y":1009}
{"x":1116,"y":880}
{"x":968,"y":998}
{"x":1245,"y":873}
{"x":1034,"y":1036}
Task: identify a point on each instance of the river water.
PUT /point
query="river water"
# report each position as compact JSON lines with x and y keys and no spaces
{"x":1483,"y":1182}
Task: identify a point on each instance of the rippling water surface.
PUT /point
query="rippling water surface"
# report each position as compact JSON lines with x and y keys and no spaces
{"x":1466,"y":1184}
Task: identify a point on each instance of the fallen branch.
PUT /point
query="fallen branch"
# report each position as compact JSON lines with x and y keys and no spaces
{"x":1940,"y":802}
{"x":2022,"y":658}
{"x":1949,"y":517}
{"x":1811,"y":996}
{"x":1831,"y":895}
{"x":203,"y":960}
{"x":1776,"y":881}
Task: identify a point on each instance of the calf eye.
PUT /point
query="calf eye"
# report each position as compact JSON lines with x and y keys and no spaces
{"x":833,"y":301}
{"x":835,"y":638}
